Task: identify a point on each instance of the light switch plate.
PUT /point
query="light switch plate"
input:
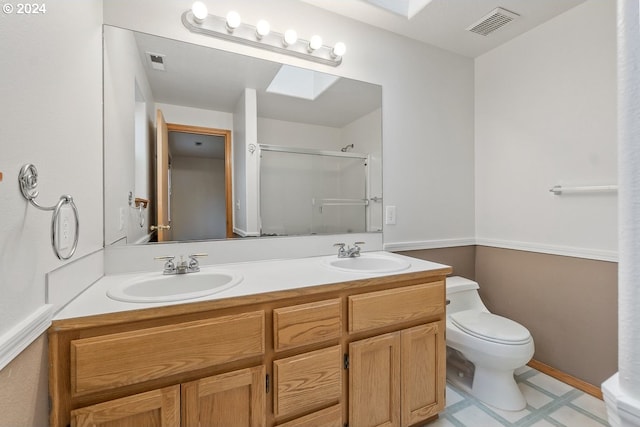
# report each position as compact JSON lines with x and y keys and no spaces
{"x":390,"y":215}
{"x":64,"y":228}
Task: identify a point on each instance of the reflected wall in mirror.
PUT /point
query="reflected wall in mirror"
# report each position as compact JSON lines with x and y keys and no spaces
{"x":302,"y":153}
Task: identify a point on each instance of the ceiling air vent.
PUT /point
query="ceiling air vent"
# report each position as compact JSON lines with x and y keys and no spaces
{"x":494,"y":20}
{"x":156,"y":61}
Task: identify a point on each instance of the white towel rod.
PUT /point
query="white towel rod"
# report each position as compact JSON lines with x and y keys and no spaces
{"x":558,"y":190}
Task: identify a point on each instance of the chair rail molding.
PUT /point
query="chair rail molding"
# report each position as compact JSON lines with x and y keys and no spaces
{"x":16,"y":339}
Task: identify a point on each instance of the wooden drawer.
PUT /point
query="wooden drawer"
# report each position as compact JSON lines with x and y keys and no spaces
{"x":307,"y":324}
{"x":125,"y":358}
{"x":329,"y":417}
{"x":377,"y":309}
{"x":307,"y":381}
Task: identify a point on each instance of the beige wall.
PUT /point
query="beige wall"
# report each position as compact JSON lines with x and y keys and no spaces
{"x":23,"y":388}
{"x":570,"y":305}
{"x":462,"y":259}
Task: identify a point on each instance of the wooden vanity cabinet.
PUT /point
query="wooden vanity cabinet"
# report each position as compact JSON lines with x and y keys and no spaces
{"x":365,"y":352}
{"x":397,"y":378}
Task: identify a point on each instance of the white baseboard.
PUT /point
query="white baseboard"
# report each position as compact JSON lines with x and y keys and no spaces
{"x":14,"y":341}
{"x":243,"y":233}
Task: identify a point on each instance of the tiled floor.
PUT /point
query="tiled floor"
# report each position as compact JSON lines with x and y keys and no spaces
{"x":549,"y":403}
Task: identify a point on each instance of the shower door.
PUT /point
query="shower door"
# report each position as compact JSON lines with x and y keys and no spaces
{"x":312,"y":191}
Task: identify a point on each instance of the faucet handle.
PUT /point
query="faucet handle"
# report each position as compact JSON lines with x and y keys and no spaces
{"x":198,"y":255}
{"x":341,"y":251}
{"x":169,"y":265}
{"x":355,"y":251}
{"x":193,"y":262}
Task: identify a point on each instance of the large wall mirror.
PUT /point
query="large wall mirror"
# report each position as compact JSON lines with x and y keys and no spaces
{"x":204,"y":144}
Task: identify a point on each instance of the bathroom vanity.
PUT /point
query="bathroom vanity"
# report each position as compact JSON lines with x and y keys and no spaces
{"x":325,"y":347}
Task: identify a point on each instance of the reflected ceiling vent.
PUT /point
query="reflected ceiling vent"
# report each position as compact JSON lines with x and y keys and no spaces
{"x":156,"y":61}
{"x":493,"y":21}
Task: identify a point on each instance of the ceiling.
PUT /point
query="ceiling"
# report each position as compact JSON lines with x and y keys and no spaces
{"x":211,"y":79}
{"x":182,"y":144}
{"x":443,"y":23}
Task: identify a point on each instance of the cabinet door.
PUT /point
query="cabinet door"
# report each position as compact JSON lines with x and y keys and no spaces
{"x":423,"y":372}
{"x":231,"y":399}
{"x":374,"y":381}
{"x":157,"y":408}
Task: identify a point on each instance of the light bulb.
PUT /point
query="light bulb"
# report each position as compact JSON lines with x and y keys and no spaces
{"x":262,"y":28}
{"x":338,"y":49}
{"x":315,"y":43}
{"x":199,"y":10}
{"x":233,"y":20}
{"x":290,"y":37}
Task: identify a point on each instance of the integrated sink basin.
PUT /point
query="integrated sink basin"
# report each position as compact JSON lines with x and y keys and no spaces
{"x":157,"y":287}
{"x":368,"y":263}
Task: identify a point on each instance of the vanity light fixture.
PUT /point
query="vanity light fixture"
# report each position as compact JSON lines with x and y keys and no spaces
{"x":290,"y":37}
{"x":339,"y":49}
{"x":233,"y":21}
{"x":262,"y":29}
{"x":314,"y":43}
{"x":231,"y":28}
{"x":200,"y":11}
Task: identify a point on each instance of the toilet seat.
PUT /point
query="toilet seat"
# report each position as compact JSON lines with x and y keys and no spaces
{"x":491,"y":327}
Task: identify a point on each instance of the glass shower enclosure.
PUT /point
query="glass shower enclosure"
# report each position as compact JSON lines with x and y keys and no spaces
{"x":309,"y":191}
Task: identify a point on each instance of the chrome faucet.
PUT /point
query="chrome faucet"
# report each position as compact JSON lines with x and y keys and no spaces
{"x":183,"y":266}
{"x":350,"y":252}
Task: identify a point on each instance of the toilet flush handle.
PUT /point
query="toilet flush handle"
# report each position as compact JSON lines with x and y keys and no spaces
{"x":448,"y":301}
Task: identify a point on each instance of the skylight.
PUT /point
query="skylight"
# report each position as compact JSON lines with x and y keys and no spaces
{"x":300,"y":83}
{"x":405,"y":8}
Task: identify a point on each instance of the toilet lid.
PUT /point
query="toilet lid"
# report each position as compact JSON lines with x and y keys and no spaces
{"x":491,"y":327}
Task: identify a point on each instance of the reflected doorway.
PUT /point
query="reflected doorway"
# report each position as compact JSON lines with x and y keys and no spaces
{"x":200,"y":183}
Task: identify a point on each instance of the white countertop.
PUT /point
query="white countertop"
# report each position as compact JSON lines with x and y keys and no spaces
{"x":258,"y":277}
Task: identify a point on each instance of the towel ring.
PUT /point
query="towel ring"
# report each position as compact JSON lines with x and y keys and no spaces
{"x":28,"y":180}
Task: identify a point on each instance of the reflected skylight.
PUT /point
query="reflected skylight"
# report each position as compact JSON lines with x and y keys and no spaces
{"x":300,"y":83}
{"x":406,"y":8}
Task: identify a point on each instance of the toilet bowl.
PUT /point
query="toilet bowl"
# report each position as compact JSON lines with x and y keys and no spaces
{"x":484,"y":349}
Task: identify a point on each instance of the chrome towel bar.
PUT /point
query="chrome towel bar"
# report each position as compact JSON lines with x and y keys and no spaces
{"x":558,"y":190}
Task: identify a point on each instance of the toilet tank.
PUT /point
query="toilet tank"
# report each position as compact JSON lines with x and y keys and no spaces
{"x":462,"y":294}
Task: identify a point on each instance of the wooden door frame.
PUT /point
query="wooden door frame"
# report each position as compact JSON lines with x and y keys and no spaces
{"x":162,"y":166}
{"x":174,"y":127}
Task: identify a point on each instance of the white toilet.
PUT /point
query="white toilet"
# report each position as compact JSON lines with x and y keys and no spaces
{"x":484,"y":349}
